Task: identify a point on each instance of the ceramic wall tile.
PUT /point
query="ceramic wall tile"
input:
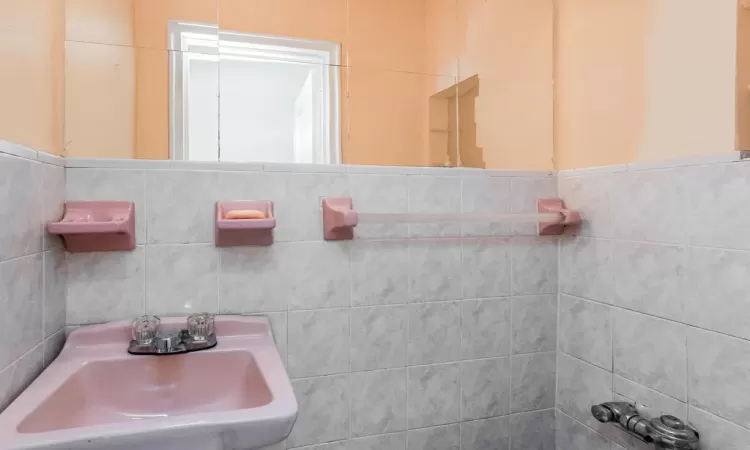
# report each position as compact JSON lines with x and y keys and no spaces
{"x":378,"y":402}
{"x":21,"y":300}
{"x":111,"y":184}
{"x":524,"y":195}
{"x":580,"y":385}
{"x":719,"y":375}
{"x":380,"y":194}
{"x":485,"y":328}
{"x":180,"y":206}
{"x":717,"y":433}
{"x":592,"y":195}
{"x":379,"y":337}
{"x":431,"y":194}
{"x":20,"y":207}
{"x":486,"y":434}
{"x":485,"y":195}
{"x":106,"y":286}
{"x":52,"y":346}
{"x":323,"y":410}
{"x":650,"y":278}
{"x":572,"y":435}
{"x":380,"y":273}
{"x":320,"y":271}
{"x":485,"y":388}
{"x":586,"y":330}
{"x":299,"y":215}
{"x":433,"y":395}
{"x":435,"y":438}
{"x":534,"y":323}
{"x":715,"y":191}
{"x":534,"y":265}
{"x":434,"y":333}
{"x":252,"y":279}
{"x":717,"y":289}
{"x":318,"y":342}
{"x":651,"y":352}
{"x":586,"y":268}
{"x":655,"y":402}
{"x":395,"y":441}
{"x":533,"y":381}
{"x":181,"y":279}
{"x":435,"y":271}
{"x":53,"y":200}
{"x":486,"y":268}
{"x":652,"y":206}
{"x":55,"y":291}
{"x":533,"y":430}
{"x":16,"y":377}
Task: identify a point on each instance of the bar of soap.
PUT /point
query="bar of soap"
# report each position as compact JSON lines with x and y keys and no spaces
{"x":245,"y":214}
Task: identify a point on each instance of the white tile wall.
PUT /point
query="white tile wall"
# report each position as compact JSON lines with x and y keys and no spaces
{"x":654,"y":301}
{"x":33,"y":272}
{"x":389,"y":343}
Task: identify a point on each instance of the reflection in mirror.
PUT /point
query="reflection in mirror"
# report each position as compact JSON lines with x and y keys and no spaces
{"x":280,"y":99}
{"x":382,"y":82}
{"x":135,"y":23}
{"x":118,"y":103}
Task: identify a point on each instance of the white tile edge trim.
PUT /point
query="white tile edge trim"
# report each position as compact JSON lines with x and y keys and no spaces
{"x":21,"y":151}
{"x":131,"y":164}
{"x":701,"y":160}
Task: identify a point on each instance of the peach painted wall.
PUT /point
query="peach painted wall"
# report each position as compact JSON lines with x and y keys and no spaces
{"x":643,"y":80}
{"x":509,"y":45}
{"x":31,"y":48}
{"x":743,"y":75}
{"x":100,"y":79}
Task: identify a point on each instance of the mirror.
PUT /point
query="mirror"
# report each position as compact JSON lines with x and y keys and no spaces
{"x":445,"y":83}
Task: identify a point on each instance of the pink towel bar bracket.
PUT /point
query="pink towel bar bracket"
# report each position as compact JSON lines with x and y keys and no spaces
{"x":556,"y":205}
{"x":99,"y":226}
{"x":339,"y":219}
{"x":237,"y":232}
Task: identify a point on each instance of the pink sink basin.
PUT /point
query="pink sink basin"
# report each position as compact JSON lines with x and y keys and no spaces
{"x":97,"y":396}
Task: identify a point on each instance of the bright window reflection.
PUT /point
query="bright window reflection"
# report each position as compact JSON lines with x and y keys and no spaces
{"x":267,"y":98}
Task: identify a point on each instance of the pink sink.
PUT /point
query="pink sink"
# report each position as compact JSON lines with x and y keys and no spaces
{"x":235,"y":396}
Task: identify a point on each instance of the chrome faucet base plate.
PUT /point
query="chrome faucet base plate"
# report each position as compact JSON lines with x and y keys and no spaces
{"x":185,"y":344}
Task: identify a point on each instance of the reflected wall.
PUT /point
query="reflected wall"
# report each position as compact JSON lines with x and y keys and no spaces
{"x":418,"y":82}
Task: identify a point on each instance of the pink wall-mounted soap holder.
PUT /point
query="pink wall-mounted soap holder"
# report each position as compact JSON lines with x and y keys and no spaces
{"x":97,"y":226}
{"x":236,"y":232}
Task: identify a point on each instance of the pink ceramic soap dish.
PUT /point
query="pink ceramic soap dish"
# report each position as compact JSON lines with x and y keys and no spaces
{"x":234,"y":232}
{"x":96,"y":226}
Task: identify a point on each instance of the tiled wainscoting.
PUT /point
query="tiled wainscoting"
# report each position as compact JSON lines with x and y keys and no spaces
{"x":394,"y":340}
{"x":32,"y":267}
{"x":654,"y":301}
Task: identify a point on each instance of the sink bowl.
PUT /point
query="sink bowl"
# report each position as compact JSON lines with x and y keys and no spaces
{"x":235,"y":396}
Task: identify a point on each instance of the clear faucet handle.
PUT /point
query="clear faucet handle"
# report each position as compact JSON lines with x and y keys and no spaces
{"x":200,"y":326}
{"x":144,"y":329}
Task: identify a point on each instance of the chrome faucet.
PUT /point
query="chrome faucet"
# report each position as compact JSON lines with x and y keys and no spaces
{"x":665,"y":431}
{"x":148,"y":339}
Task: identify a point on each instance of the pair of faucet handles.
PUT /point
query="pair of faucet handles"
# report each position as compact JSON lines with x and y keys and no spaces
{"x":148,"y":338}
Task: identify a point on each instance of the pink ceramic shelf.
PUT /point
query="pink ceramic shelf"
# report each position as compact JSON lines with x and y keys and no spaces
{"x":235,"y":232}
{"x":96,"y":226}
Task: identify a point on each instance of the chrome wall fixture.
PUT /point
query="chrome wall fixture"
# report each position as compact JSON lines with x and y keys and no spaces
{"x":148,"y":339}
{"x":664,"y":431}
